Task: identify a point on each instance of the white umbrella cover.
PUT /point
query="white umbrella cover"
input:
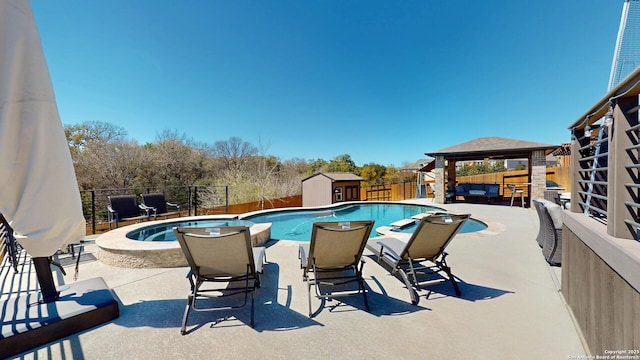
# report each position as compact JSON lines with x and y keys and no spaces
{"x":39,"y":193}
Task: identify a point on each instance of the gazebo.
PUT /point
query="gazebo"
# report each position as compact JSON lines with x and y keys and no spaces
{"x":491,"y":148}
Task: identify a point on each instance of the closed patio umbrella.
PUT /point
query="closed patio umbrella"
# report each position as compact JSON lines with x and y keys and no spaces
{"x":39,"y":193}
{"x":38,"y":188}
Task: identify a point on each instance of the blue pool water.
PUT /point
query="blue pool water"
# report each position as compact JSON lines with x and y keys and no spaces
{"x":296,"y":224}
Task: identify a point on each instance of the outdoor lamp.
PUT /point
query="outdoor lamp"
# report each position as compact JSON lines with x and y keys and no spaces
{"x":587,"y":131}
{"x":608,"y":118}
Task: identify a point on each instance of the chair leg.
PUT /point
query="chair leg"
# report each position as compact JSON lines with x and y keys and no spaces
{"x":447,"y":270}
{"x":407,"y":282}
{"x":513,"y":195}
{"x":253,"y":293}
{"x":190,"y":300}
{"x":309,"y":296}
{"x":522,"y":199}
{"x":364,"y":291}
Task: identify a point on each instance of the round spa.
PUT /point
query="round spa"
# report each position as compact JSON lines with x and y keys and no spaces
{"x":153,"y":244}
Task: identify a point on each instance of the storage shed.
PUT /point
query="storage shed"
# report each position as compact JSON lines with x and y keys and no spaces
{"x":326,"y":188}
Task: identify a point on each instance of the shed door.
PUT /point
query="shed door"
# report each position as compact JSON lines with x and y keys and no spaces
{"x":352,"y":193}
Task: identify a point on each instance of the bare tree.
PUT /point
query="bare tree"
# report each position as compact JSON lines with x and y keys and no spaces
{"x":234,"y":153}
{"x":176,"y":160}
{"x":90,"y":144}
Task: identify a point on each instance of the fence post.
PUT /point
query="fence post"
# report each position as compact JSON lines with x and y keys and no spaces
{"x":226,"y":199}
{"x":195,"y":201}
{"x":93,"y":212}
{"x":189,"y":200}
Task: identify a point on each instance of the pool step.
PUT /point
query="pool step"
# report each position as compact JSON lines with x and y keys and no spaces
{"x":403,"y":223}
{"x":392,"y":232}
{"x":425,"y":214}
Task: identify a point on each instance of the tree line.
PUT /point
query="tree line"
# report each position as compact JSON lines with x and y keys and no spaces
{"x":105,"y":158}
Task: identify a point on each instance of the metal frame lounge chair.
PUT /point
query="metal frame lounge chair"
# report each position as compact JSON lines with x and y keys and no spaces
{"x":220,"y":255}
{"x":333,"y":258}
{"x":123,"y":208}
{"x":426,"y":243}
{"x":156,"y":204}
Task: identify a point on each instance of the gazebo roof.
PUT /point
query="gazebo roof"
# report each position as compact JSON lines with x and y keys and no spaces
{"x":492,"y":147}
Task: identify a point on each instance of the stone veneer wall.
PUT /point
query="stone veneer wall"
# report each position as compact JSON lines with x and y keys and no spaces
{"x":538,"y":174}
{"x":439,"y":173}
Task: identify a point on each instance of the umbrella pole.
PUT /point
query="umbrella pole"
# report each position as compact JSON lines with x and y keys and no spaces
{"x":45,"y":278}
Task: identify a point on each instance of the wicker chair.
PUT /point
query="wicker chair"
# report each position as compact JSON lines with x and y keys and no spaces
{"x":551,"y":228}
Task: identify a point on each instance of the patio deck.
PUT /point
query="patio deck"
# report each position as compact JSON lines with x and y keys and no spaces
{"x":510,"y":307}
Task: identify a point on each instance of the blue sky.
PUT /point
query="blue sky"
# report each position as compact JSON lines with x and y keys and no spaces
{"x":383,"y":81}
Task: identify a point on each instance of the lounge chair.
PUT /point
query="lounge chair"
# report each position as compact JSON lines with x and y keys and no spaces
{"x":156,"y":204}
{"x":541,"y":232}
{"x":332,"y":259}
{"x":550,"y":234}
{"x":221,"y":255}
{"x":426,"y":243}
{"x":124,"y":208}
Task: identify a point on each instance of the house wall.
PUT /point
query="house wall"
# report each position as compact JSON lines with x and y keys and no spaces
{"x":600,"y":284}
{"x":317,"y":191}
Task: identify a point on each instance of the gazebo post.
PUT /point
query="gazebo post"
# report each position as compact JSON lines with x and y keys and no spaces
{"x":439,"y":174}
{"x":537,"y":174}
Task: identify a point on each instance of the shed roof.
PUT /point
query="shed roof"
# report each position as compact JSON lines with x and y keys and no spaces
{"x":492,"y":147}
{"x":337,"y":176}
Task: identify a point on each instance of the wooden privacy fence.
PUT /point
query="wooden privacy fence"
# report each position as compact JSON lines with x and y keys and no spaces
{"x":289,"y":201}
{"x":390,"y":192}
{"x":408,"y":190}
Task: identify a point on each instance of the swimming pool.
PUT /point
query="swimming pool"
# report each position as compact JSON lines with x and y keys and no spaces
{"x":296,"y":224}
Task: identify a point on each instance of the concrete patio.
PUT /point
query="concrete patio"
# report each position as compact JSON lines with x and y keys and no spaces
{"x":510,"y":307}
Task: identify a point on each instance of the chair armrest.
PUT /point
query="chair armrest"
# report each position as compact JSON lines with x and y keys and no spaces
{"x":175,"y":205}
{"x":112,"y":214}
{"x":148,"y":209}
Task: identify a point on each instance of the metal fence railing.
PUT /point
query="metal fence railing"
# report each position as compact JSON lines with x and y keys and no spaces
{"x":192,"y":200}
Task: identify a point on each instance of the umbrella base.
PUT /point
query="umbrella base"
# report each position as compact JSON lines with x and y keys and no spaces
{"x":28,"y":324}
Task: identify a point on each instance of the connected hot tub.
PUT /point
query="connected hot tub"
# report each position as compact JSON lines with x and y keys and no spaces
{"x":152,"y":245}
